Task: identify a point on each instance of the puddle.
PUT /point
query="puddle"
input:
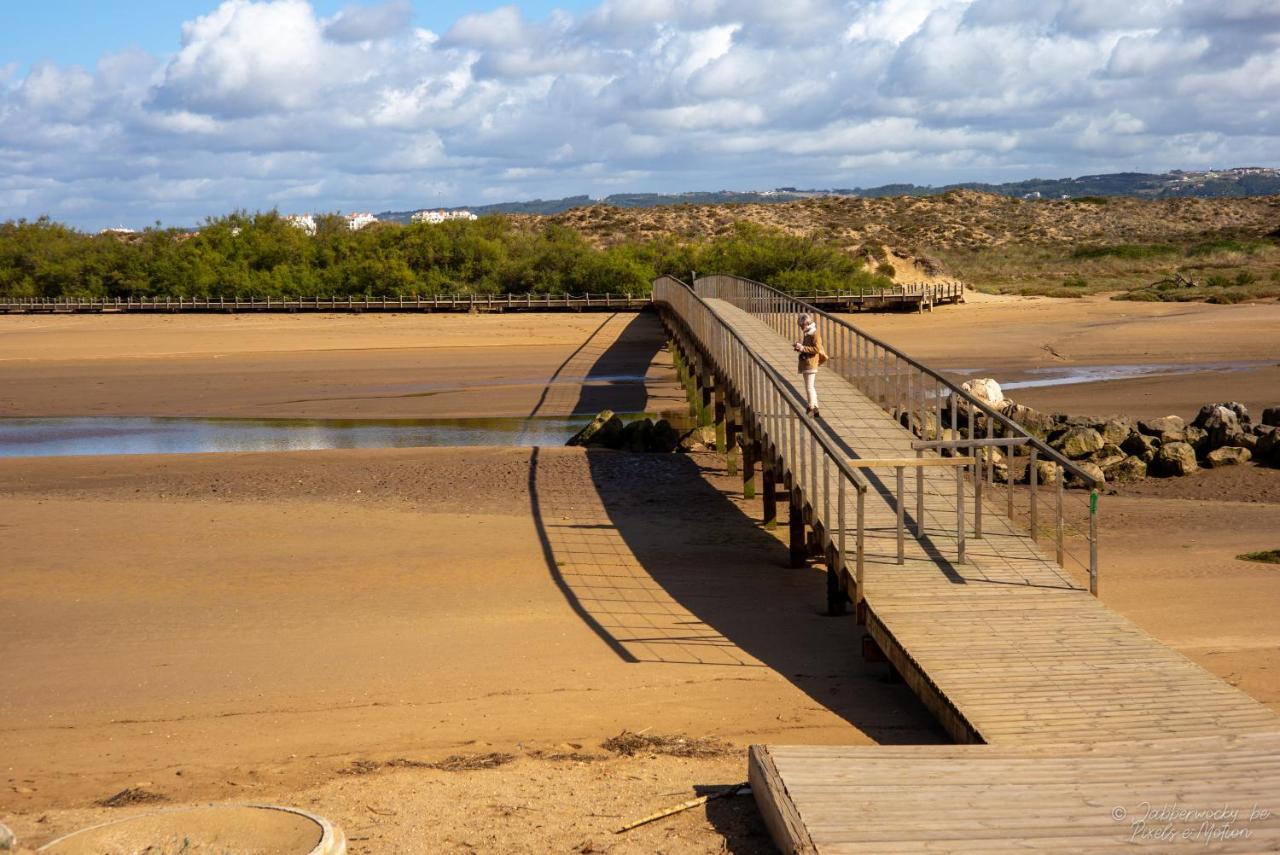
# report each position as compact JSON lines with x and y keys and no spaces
{"x":1069,"y":375}
{"x":56,"y":437}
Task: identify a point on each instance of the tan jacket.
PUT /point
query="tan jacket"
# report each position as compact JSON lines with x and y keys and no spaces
{"x":812,"y":353}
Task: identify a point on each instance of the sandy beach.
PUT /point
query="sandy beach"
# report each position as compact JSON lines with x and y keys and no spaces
{"x":280,"y":627}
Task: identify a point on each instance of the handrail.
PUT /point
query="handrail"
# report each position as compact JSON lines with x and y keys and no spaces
{"x":917,"y":397}
{"x":711,"y":281}
{"x":782,"y":423}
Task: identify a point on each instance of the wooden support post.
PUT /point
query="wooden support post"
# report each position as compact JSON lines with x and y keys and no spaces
{"x":795,"y":521}
{"x":769,"y":485}
{"x":731,"y":430}
{"x":837,"y":598}
{"x":721,"y":417}
{"x":750,"y":451}
{"x":706,"y":382}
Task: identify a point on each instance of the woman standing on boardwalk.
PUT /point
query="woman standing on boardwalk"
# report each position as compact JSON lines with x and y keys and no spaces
{"x":811,"y":356}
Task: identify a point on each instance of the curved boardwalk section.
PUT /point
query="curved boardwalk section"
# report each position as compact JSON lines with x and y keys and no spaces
{"x":1081,"y":711}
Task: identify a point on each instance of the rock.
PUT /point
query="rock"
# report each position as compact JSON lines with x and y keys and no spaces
{"x":1047,"y":472}
{"x":1222,"y":424}
{"x":1271,"y":416}
{"x":1175,"y":458}
{"x":1166,"y":428}
{"x":1141,"y":445}
{"x":1108,"y":455}
{"x":1079,"y":442}
{"x":1116,"y":431}
{"x":635,"y":435}
{"x":1036,"y":423}
{"x":1197,"y":438}
{"x":1248,"y":440}
{"x":584,"y":436}
{"x":1228,"y":455}
{"x":609,"y":435}
{"x":985,"y":390}
{"x":699,"y":439}
{"x":1237,"y":409}
{"x":1132,"y":468}
{"x":664,"y":438}
{"x":1092,"y":470}
{"x":1267,"y":448}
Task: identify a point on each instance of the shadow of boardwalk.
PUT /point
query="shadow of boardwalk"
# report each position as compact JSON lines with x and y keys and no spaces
{"x":618,"y":367}
{"x":666,"y":569}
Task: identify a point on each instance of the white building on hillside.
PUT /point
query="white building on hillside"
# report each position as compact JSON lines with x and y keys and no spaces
{"x":441,"y":216}
{"x":358,"y":220}
{"x":306,"y":222}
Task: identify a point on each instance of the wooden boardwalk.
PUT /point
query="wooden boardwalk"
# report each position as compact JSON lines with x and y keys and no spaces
{"x":1081,"y":711}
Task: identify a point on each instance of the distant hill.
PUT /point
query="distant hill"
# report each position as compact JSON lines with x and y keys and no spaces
{"x":1237,"y":182}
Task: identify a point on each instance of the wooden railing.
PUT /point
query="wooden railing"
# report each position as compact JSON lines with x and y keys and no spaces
{"x":814,"y":465}
{"x":447,"y":302}
{"x":937,"y":409}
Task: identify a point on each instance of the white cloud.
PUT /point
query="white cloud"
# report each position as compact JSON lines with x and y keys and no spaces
{"x":268,"y":103}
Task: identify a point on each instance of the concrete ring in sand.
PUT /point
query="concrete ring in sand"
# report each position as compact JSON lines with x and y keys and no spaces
{"x":266,"y":829}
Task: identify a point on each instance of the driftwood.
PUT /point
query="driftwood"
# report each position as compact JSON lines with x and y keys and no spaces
{"x":1177,"y":280}
{"x":683,"y":806}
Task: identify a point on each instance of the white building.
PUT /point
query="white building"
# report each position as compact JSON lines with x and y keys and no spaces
{"x":358,"y":220}
{"x":441,"y":216}
{"x":306,"y":222}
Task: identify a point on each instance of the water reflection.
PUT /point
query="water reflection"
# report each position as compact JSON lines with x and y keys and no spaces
{"x":52,"y":437}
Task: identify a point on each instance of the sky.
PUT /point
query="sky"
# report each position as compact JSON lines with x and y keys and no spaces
{"x":174,"y":110}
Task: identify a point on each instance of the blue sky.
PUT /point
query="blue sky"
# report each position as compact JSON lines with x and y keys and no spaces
{"x":110,"y":115}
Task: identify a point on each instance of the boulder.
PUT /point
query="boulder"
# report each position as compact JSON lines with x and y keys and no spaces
{"x":985,"y":390}
{"x":1228,"y":455}
{"x":1237,"y":409}
{"x":1047,"y":472}
{"x":604,"y":431}
{"x":1090,"y":469}
{"x":1221,"y":423}
{"x":1198,"y":438}
{"x":699,"y":439}
{"x":1165,"y":428}
{"x":1142,"y":446}
{"x":1116,"y":431}
{"x":1267,"y":448}
{"x":1108,"y":455}
{"x":664,"y":438}
{"x":1174,"y":458}
{"x":1079,"y":442}
{"x":1131,"y":468}
{"x":635,"y":435}
{"x":1271,"y":416}
{"x":1247,"y":440}
{"x":1036,"y":423}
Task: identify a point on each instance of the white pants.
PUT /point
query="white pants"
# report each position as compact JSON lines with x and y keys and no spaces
{"x":811,"y":388}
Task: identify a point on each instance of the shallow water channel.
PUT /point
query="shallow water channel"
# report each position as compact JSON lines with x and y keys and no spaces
{"x":55,"y":437}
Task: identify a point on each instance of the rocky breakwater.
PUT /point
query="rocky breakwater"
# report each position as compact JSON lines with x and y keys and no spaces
{"x":608,"y":430}
{"x":1117,"y":448}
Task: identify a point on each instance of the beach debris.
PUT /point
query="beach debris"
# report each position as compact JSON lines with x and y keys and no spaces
{"x":452,"y":763}
{"x":131,"y":796}
{"x":683,"y":806}
{"x":629,"y":744}
{"x":1266,"y":556}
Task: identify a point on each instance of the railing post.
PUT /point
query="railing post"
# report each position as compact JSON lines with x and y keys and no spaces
{"x":1093,"y":541}
{"x":902,"y":551}
{"x":1033,"y":484}
{"x":959,"y":514}
{"x":1061,"y":534}
{"x":919,"y":495}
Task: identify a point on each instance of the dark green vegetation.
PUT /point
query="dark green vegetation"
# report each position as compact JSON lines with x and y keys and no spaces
{"x":262,"y":254}
{"x":1268,"y":556}
{"x":1219,"y":270}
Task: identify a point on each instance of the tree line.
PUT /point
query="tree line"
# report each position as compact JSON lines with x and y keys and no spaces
{"x":263,"y":254}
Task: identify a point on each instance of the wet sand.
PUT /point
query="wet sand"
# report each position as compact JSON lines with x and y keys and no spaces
{"x":248,"y":626}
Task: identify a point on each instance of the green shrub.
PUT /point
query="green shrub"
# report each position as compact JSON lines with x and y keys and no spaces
{"x":1076,"y":282}
{"x":1217,"y":280}
{"x":1124,"y":250}
{"x":1209,"y":247}
{"x":1244,"y":277}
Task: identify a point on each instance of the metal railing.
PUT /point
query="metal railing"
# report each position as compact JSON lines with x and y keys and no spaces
{"x":816,"y":467}
{"x":939,"y":411}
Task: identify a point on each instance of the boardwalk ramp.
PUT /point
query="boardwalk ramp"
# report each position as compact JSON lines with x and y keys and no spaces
{"x":976,"y":576}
